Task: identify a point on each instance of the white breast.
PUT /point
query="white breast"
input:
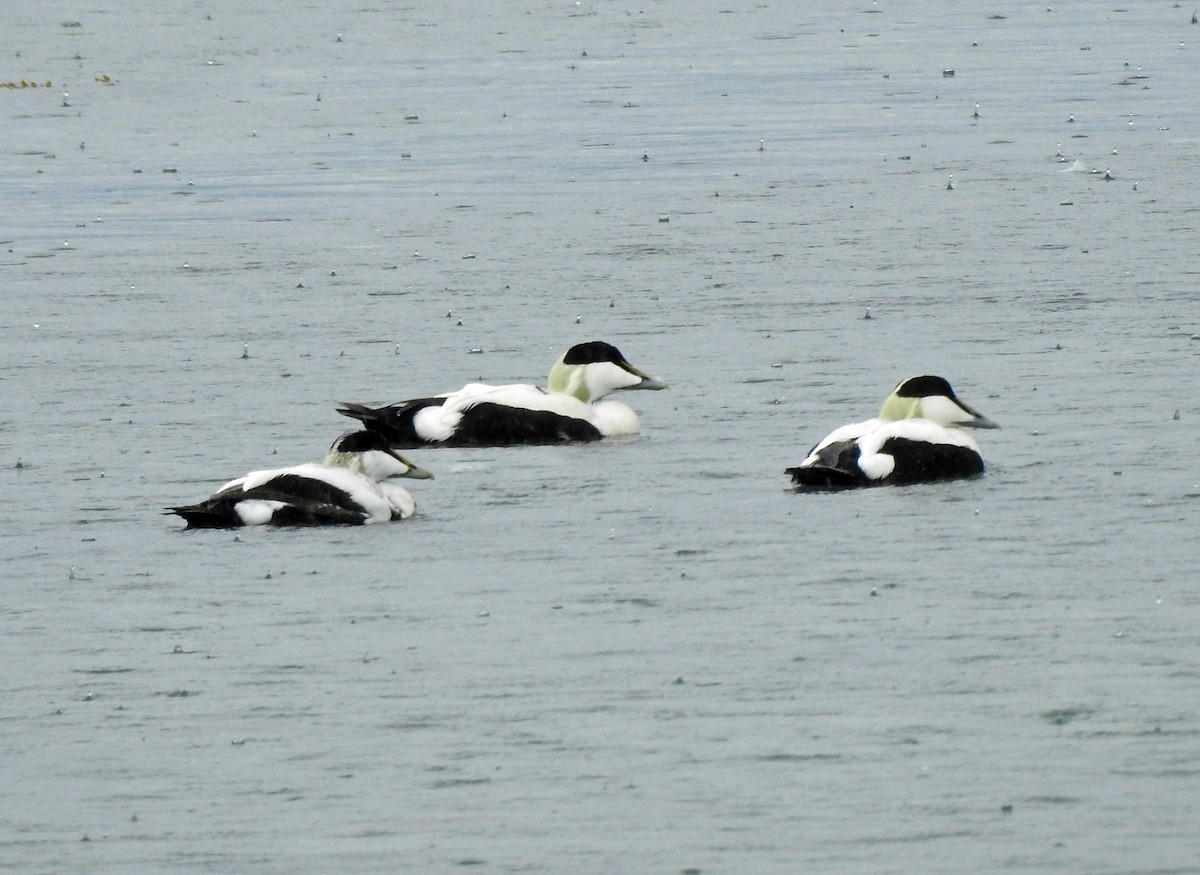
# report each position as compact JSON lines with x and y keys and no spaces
{"x":613,"y":418}
{"x":399,"y":499}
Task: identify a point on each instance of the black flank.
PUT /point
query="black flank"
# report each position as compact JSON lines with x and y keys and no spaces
{"x":920,"y":462}
{"x":492,"y":425}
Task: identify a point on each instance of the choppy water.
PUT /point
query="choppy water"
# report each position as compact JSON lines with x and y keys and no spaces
{"x":646,"y":656}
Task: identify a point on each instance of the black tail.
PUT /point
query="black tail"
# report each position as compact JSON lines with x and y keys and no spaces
{"x":394,"y":422}
{"x":822,"y":478}
{"x":360,"y":412}
{"x":207,"y":516}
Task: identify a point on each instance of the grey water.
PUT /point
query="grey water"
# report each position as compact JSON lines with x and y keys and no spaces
{"x":649,"y":655}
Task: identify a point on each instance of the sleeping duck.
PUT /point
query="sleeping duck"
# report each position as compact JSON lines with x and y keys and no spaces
{"x":917,"y":437}
{"x":572,"y":407}
{"x":353,"y":486}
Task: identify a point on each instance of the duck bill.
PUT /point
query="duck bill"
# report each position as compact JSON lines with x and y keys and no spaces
{"x":415,"y":472}
{"x":647,"y":381}
{"x":980,"y":421}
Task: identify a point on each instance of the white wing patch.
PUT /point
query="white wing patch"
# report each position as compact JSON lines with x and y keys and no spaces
{"x":257,"y":512}
{"x":436,"y":423}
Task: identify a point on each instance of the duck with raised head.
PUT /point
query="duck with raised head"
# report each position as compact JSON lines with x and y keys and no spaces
{"x":354,"y":485}
{"x":572,"y":407}
{"x":917,"y":437}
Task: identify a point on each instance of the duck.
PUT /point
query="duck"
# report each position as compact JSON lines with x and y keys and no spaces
{"x":918,"y":437}
{"x":572,"y":407}
{"x":353,"y":486}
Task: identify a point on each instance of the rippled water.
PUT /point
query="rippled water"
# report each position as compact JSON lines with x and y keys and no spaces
{"x":644,"y":656}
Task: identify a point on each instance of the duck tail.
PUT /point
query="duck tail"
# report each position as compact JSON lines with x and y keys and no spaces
{"x":361,"y":412}
{"x":820,"y":477}
{"x":204,"y":516}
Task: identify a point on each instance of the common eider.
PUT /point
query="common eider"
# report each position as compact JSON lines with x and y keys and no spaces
{"x":917,"y":437}
{"x":571,"y":408}
{"x":353,"y":486}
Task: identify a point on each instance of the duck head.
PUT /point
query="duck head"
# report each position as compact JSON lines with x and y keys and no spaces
{"x":589,"y":371}
{"x":367,"y":452}
{"x":929,"y":397}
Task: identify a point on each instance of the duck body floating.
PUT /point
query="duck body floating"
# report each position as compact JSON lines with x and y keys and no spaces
{"x":353,"y":486}
{"x":918,"y":437}
{"x":572,"y":407}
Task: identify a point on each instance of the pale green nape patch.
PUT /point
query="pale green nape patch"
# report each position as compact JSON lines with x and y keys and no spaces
{"x":569,"y":380}
{"x":896,"y":407}
{"x":349,"y":461}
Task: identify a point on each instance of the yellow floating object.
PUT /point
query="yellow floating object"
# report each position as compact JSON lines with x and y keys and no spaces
{"x":31,"y":83}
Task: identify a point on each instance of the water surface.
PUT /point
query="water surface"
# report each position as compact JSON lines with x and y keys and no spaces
{"x":641,"y":656}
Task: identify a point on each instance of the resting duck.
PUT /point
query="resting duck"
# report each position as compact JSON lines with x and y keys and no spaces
{"x":352,"y":487}
{"x":570,"y":408}
{"x":917,"y":437}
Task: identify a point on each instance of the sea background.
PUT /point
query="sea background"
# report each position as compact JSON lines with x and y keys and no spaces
{"x":648,"y":655}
